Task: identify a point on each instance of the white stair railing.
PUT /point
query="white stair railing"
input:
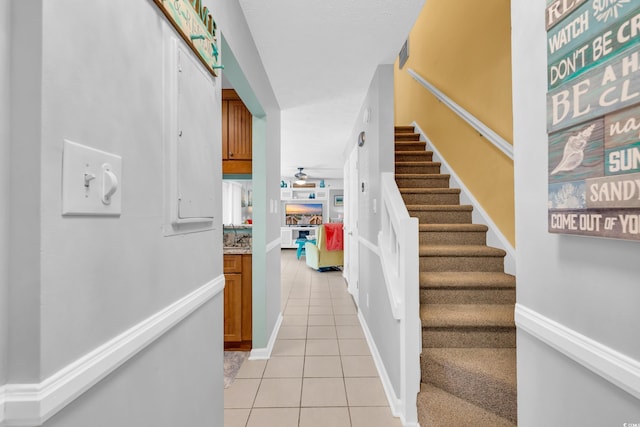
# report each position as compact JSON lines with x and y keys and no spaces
{"x":398,"y":243}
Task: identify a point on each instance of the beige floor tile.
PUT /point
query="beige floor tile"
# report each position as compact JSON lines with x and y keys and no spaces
{"x":321,"y":295}
{"x":288,"y":348}
{"x":322,"y":366}
{"x":359,"y":366}
{"x":251,"y":369}
{"x":324,"y":417}
{"x":350,"y":332}
{"x":324,"y":310}
{"x":323,"y":392}
{"x":296,"y":310}
{"x":292,"y":332}
{"x":350,"y":347}
{"x":365,"y":392}
{"x":274,"y":417}
{"x":284,"y":367}
{"x":297,"y":302}
{"x":322,"y":302}
{"x":346,"y":319}
{"x":373,"y":417}
{"x":344,"y":309}
{"x":320,"y":321}
{"x":241,"y":393}
{"x":294,"y":320}
{"x":321,"y":332}
{"x":236,"y":417}
{"x":279,"y":393}
{"x":322,"y":348}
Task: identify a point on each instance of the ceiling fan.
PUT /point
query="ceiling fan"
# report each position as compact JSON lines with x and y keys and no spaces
{"x":301,"y":177}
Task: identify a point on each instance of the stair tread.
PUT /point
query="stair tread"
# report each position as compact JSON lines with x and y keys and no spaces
{"x":497,"y":363}
{"x":467,"y":315}
{"x":414,"y":153}
{"x":422,"y":175}
{"x":404,"y":129}
{"x":417,"y":163}
{"x":454,"y":208}
{"x":437,"y":408}
{"x":420,"y":190}
{"x":455,"y":279}
{"x":453,"y":227}
{"x":460,"y":250}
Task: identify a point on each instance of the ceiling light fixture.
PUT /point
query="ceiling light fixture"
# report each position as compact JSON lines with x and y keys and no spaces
{"x":301,"y":177}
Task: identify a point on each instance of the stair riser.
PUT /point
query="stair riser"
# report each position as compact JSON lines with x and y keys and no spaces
{"x":431,"y":199}
{"x":492,"y":395}
{"x":431,"y":263}
{"x":452,"y":237}
{"x":427,"y":182}
{"x":468,"y":338}
{"x":442,"y":217}
{"x":427,"y":156}
{"x":467,"y":296}
{"x":411,"y":146}
{"x":405,"y":136}
{"x":418,"y":168}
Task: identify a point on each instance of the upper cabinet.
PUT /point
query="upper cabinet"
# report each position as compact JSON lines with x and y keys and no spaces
{"x":236,"y":134}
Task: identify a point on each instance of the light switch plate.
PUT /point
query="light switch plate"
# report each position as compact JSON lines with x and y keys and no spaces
{"x":87,"y":175}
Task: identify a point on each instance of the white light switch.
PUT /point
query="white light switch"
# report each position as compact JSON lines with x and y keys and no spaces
{"x":91,"y":181}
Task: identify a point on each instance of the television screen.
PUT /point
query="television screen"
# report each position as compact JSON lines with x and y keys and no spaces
{"x":303,"y":213}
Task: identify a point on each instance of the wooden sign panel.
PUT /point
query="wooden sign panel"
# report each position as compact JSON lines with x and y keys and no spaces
{"x":196,"y":26}
{"x":593,"y":117}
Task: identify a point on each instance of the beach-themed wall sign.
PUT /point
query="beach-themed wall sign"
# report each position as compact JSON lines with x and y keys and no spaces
{"x":593,"y":117}
{"x":196,"y":26}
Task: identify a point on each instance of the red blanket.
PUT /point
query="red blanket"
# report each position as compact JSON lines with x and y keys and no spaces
{"x":334,"y":235}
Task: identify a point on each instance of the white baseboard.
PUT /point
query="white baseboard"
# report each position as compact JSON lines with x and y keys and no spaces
{"x":274,"y":244}
{"x":395,"y":404}
{"x":494,"y":237}
{"x":264,"y":353}
{"x":33,"y":404}
{"x":610,"y":364}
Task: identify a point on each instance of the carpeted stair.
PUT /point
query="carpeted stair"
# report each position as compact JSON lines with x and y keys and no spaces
{"x":466,"y":301}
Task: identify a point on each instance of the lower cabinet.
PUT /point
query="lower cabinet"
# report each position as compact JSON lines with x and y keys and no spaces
{"x":237,"y":302}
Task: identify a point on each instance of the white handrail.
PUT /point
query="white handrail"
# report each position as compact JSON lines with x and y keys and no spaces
{"x":483,"y":129}
{"x":398,"y":244}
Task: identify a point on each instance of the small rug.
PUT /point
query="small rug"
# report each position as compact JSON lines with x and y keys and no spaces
{"x":233,"y":360}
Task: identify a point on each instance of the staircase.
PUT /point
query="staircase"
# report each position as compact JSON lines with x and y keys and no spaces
{"x":468,"y":360}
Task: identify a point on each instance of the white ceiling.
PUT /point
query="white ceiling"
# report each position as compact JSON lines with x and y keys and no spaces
{"x":320,"y":56}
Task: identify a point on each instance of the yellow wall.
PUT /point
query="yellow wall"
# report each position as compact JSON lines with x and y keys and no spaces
{"x":464,"y":49}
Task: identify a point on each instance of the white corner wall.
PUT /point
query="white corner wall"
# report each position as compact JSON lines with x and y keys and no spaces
{"x":577,"y":296}
{"x":4,"y":186}
{"x":376,"y":157}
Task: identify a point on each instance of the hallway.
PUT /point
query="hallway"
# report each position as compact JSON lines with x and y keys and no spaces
{"x":321,"y":372}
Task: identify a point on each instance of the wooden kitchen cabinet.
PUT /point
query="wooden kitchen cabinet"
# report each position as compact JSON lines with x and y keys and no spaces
{"x":237,"y":141}
{"x":237,"y":302}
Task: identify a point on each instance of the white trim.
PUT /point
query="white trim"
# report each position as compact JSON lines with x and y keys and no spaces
{"x":615,"y":367}
{"x":394,"y":402}
{"x":274,"y":244}
{"x":33,"y":404}
{"x":2,"y":400}
{"x":369,"y":245}
{"x":500,"y":143}
{"x":264,"y":353}
{"x":480,"y":216}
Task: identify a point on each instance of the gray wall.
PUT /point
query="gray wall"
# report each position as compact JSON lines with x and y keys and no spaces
{"x":77,"y":282}
{"x":4,"y":185}
{"x":375,"y":157}
{"x":589,"y":285}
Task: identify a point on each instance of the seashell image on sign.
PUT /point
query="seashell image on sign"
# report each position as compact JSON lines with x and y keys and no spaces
{"x":593,"y":117}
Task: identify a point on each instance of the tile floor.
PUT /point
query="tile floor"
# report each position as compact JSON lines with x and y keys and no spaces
{"x":321,"y":373}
